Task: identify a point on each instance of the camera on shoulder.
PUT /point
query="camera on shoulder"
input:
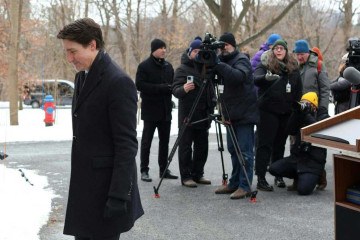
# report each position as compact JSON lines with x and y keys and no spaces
{"x":207,"y":54}
{"x":353,"y":59}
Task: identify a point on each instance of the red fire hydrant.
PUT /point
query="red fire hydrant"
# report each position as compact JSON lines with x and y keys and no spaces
{"x":49,"y":108}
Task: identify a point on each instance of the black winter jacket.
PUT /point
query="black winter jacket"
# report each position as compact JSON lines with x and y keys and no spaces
{"x":207,"y":100}
{"x":310,"y":159}
{"x":239,"y":95}
{"x":272,"y":95}
{"x":154,"y":78}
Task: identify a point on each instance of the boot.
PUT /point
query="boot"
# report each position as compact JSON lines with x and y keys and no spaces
{"x":293,"y":187}
{"x":322,"y":182}
{"x":279,"y":182}
{"x":263,"y":185}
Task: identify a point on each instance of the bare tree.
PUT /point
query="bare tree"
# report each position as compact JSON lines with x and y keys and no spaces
{"x":345,"y":6}
{"x":119,"y":33}
{"x":15,"y":18}
{"x":223,"y":13}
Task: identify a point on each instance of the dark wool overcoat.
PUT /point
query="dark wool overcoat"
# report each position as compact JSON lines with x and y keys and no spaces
{"x":103,"y":151}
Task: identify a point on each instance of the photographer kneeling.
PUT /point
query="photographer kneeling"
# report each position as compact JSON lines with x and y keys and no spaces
{"x":306,"y":162}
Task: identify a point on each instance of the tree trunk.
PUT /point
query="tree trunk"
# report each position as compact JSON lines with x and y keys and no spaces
{"x":347,"y":9}
{"x":15,"y":16}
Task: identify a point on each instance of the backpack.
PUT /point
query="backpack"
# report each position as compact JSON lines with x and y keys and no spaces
{"x":319,"y":66}
{"x":320,"y":58}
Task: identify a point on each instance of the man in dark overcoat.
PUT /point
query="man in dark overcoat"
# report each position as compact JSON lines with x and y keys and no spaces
{"x":103,"y":198}
{"x":154,"y":78}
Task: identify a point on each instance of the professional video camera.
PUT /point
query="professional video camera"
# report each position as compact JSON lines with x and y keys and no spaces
{"x":354,"y":54}
{"x":207,"y":54}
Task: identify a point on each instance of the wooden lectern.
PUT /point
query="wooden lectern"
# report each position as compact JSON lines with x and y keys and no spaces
{"x":341,"y":132}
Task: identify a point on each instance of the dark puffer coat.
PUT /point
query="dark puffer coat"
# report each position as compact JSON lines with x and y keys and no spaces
{"x":310,"y":159}
{"x":272,"y":94}
{"x":206,"y":103}
{"x":239,"y":95}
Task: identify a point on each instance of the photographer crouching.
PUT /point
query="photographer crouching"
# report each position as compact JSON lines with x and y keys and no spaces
{"x":306,"y":162}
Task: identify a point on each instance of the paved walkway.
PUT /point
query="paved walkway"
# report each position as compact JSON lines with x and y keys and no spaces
{"x":184,"y":214}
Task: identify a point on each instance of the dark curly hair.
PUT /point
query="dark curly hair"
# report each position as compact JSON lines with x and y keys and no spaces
{"x":289,"y":60}
{"x":83,"y":31}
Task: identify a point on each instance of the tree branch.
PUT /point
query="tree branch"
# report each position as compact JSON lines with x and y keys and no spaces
{"x":270,"y":25}
{"x":214,"y":7}
{"x":246,"y":6}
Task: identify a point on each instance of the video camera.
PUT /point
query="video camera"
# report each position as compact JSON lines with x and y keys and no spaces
{"x":354,"y":54}
{"x":207,"y":54}
{"x":352,"y":71}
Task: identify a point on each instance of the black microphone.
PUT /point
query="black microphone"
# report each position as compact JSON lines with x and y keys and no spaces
{"x":352,"y":75}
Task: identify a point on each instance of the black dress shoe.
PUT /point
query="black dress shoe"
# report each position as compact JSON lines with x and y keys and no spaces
{"x":279,"y":182}
{"x":264,"y":185}
{"x":169,"y":175}
{"x":145,"y":177}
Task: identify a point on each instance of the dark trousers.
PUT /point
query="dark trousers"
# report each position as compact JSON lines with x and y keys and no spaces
{"x":117,"y":237}
{"x":271,"y":140}
{"x":147,"y":136}
{"x":192,"y":160}
{"x":287,"y":167}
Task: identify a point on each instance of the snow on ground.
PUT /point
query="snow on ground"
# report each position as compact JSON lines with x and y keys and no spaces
{"x":23,"y":208}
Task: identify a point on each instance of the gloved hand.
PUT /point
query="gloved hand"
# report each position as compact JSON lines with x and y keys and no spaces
{"x":271,"y":77}
{"x":115,"y":208}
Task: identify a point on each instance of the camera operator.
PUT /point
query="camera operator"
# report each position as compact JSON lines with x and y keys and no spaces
{"x":186,"y":87}
{"x":306,"y":162}
{"x":341,"y":88}
{"x":239,"y":98}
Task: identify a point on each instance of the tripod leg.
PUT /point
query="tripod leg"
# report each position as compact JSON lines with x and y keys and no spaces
{"x":181,"y":133}
{"x":220,"y":144}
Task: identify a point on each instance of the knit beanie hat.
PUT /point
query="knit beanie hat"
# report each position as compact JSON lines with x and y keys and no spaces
{"x":301,"y":46}
{"x":311,"y":97}
{"x":196,"y":44}
{"x":156,"y":44}
{"x":281,"y":43}
{"x":228,"y":38}
{"x":272,"y":39}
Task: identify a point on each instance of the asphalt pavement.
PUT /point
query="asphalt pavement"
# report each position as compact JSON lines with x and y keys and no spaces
{"x":186,"y":213}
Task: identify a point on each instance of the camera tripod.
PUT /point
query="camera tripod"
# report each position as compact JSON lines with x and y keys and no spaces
{"x":219,"y":120}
